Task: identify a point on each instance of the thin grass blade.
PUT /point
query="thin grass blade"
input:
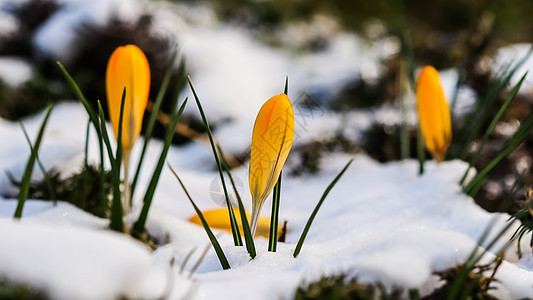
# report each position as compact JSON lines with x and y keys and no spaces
{"x":509,"y":146}
{"x":93,"y":117}
{"x":115,"y":221}
{"x":315,"y":211}
{"x":276,"y":199}
{"x":216,"y":245}
{"x":492,"y":125}
{"x":476,"y":119}
{"x":153,"y":117}
{"x":179,"y":85}
{"x":140,"y":224}
{"x":453,"y":100}
{"x":198,"y":262}
{"x":475,"y":257}
{"x":45,"y":174}
{"x":458,"y":284}
{"x":274,"y":216}
{"x":248,"y":238}
{"x":76,"y":89}
{"x":26,"y":178}
{"x":85,"y":178}
{"x":234,"y":227}
{"x":186,"y":260}
{"x":420,"y":147}
{"x":403,"y":85}
{"x":118,"y":155}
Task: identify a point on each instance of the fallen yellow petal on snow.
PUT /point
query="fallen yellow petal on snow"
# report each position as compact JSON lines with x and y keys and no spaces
{"x":433,"y":113}
{"x":218,"y":218}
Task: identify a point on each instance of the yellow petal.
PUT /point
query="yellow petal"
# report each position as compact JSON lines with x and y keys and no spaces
{"x":218,"y":218}
{"x":271,"y":143}
{"x":127,"y":67}
{"x":433,"y":113}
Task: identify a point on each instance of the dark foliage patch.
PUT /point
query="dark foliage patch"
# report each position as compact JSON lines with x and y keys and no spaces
{"x":81,"y":189}
{"x":11,"y":290}
{"x":341,"y":287}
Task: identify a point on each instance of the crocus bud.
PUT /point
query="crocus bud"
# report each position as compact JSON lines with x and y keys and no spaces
{"x":433,"y":113}
{"x":271,"y":143}
{"x":127,"y":67}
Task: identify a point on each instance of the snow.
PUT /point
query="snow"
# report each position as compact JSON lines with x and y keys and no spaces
{"x":222,"y":59}
{"x":14,"y":71}
{"x":8,"y":23}
{"x":56,"y":37}
{"x":514,"y":54}
{"x":381,"y":222}
{"x":72,"y":263}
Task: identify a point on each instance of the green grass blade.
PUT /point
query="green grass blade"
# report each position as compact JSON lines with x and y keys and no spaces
{"x":457,"y":286}
{"x":26,"y":178}
{"x":216,"y":245}
{"x":115,"y":221}
{"x":315,"y":211}
{"x":93,"y":117}
{"x":198,"y":262}
{"x":125,"y":196}
{"x":234,"y":227}
{"x":421,"y":148}
{"x":45,"y":174}
{"x":453,"y":100}
{"x":118,"y":155}
{"x":153,"y":117}
{"x":492,"y":125}
{"x":276,"y":199}
{"x":479,"y":115}
{"x":179,"y":85}
{"x":509,"y":146}
{"x":274,"y":216}
{"x":76,"y":89}
{"x":139,"y":226}
{"x":409,"y":54}
{"x":248,"y":238}
{"x":86,"y":152}
{"x":404,"y":126}
{"x":186,"y":260}
{"x":85,"y":167}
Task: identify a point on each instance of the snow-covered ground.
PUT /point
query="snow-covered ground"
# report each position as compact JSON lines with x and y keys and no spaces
{"x":381,"y":222}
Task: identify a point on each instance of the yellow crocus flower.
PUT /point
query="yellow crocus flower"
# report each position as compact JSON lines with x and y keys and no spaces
{"x":433,"y":113}
{"x":218,"y":218}
{"x":127,"y":68}
{"x":271,"y":143}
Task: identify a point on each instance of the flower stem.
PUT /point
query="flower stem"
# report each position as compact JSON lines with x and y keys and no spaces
{"x":256,"y":209}
{"x":126,"y":201}
{"x":273,"y":237}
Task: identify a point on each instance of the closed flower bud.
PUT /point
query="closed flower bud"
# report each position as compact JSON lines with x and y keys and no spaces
{"x":128,"y":67}
{"x":433,"y":113}
{"x":271,"y":143}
